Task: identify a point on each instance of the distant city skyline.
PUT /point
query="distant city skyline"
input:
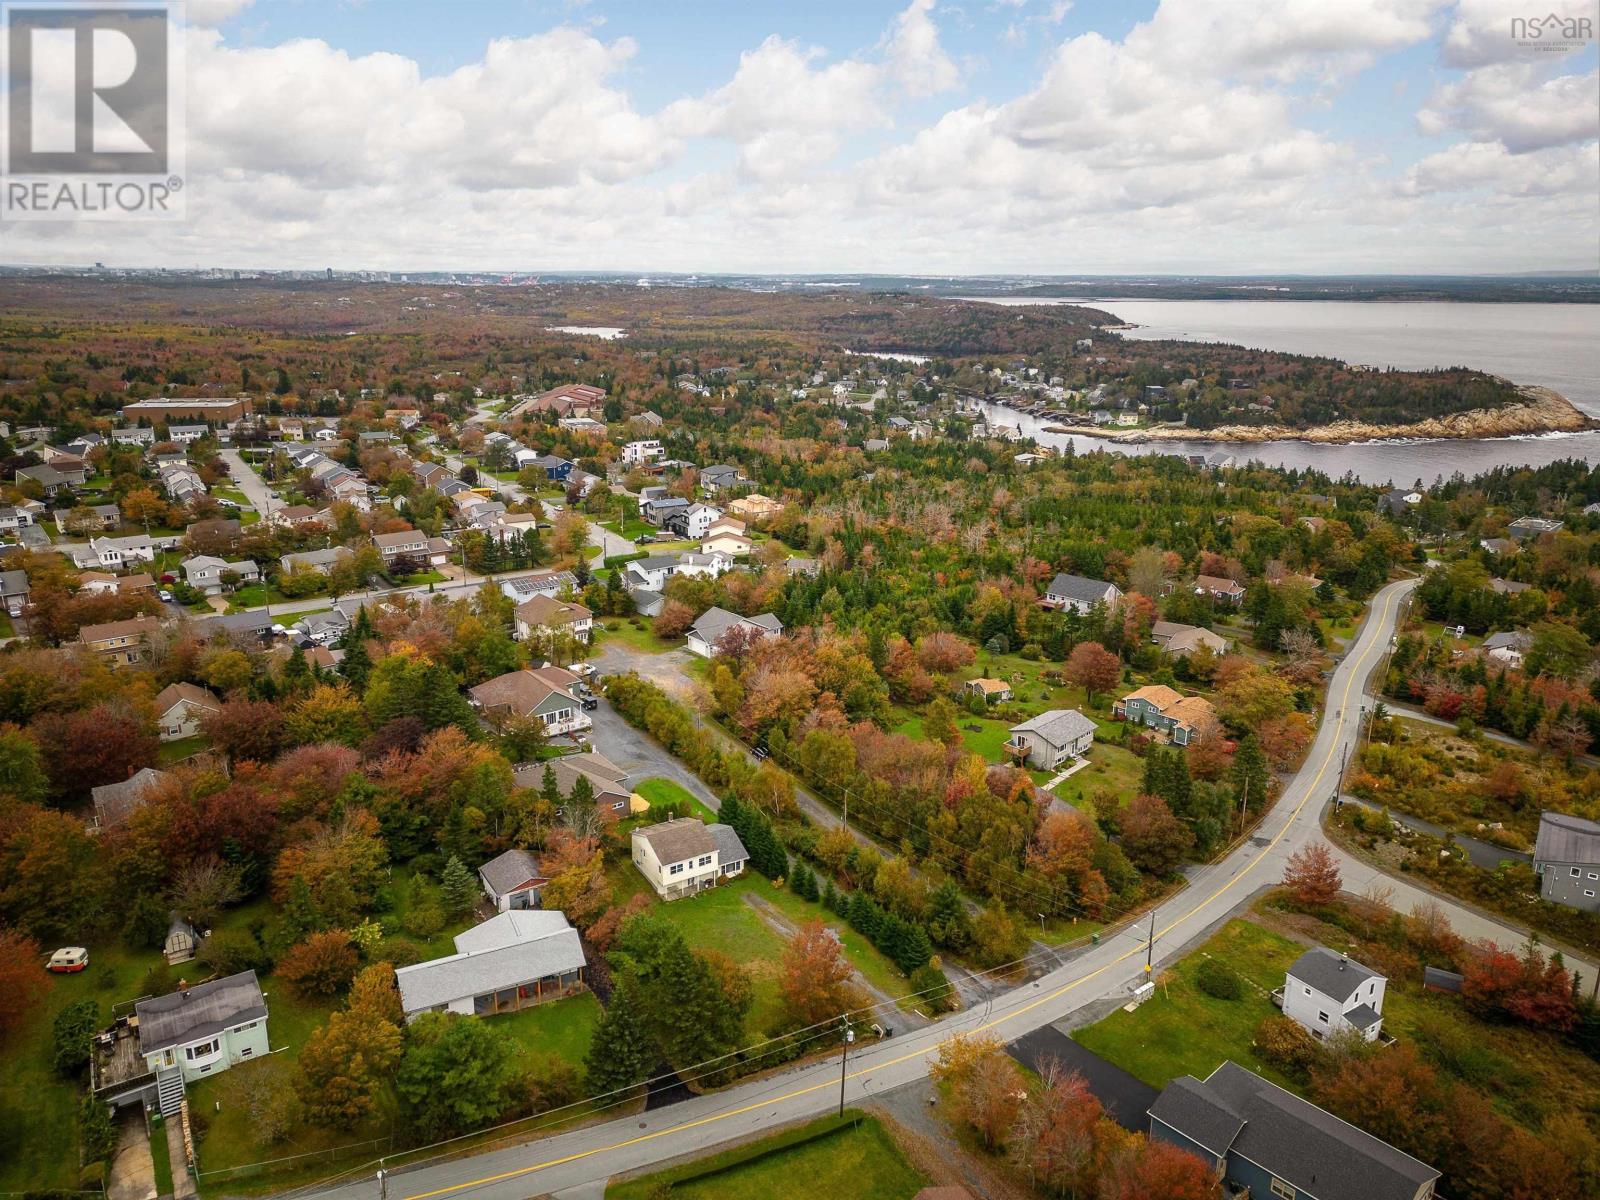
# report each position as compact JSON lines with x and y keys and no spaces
{"x":1187,"y":137}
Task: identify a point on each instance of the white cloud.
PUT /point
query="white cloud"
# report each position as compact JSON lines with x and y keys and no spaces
{"x":913,"y":56}
{"x":1466,"y":166}
{"x":1480,"y":32}
{"x":211,"y":13}
{"x":1515,"y":104}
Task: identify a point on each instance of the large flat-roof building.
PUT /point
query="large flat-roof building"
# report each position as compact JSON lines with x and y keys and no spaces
{"x":212,"y":410}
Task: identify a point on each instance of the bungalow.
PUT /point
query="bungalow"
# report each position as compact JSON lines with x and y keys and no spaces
{"x":543,"y":616}
{"x":82,"y":519}
{"x":1080,"y":593}
{"x":1182,"y":719}
{"x":707,"y":633}
{"x":1508,"y":649}
{"x":510,"y":962}
{"x":734,"y":545}
{"x":1566,"y":857}
{"x":543,"y":583}
{"x":120,"y":551}
{"x":681,"y":857}
{"x":1224,"y":591}
{"x":211,"y":575}
{"x":1532,"y":527}
{"x":180,"y":707}
{"x":1399,"y":501}
{"x":134,"y":436}
{"x":50,"y":480}
{"x":542,"y":693}
{"x":512,"y":880}
{"x":293,"y":516}
{"x":1180,"y":640}
{"x":1498,"y":545}
{"x":613,"y":798}
{"x":320,"y":561}
{"x":994,"y":691}
{"x":114,"y":803}
{"x":1327,"y":993}
{"x":1259,"y":1137}
{"x":323,"y":629}
{"x":14,"y":591}
{"x":120,"y":643}
{"x":200,"y":1031}
{"x":1048,"y":740}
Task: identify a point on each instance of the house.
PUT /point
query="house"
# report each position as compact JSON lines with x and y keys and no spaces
{"x":1508,"y":587}
{"x":1532,"y":527}
{"x":120,"y":551}
{"x":555,"y":469}
{"x":115,"y":802}
{"x":734,"y":545}
{"x":1261,"y":1137}
{"x":512,"y":961}
{"x":875,"y":445}
{"x":755,"y":507}
{"x":293,"y":516}
{"x":14,"y":518}
{"x":1224,"y":591}
{"x":648,"y":419}
{"x":732,"y":857}
{"x":647,"y":602}
{"x":543,"y":616}
{"x":50,"y":480}
{"x":323,"y":629}
{"x":1566,"y":858}
{"x":1079,"y":593}
{"x":120,"y":643}
{"x":713,"y":625}
{"x":660,"y":509}
{"x":584,"y":425}
{"x":184,"y":434}
{"x":994,"y":691}
{"x":1327,"y":993}
{"x":210,"y":574}
{"x":14,"y":591}
{"x":249,"y":628}
{"x":320,"y":561}
{"x":1182,"y":719}
{"x":543,"y":583}
{"x":722,"y":478}
{"x":202,"y":1030}
{"x":512,"y":880}
{"x":1180,"y":640}
{"x":651,"y":572}
{"x":1508,"y":648}
{"x":680,"y":857}
{"x":1048,"y":740}
{"x":180,"y":707}
{"x":1399,"y":501}
{"x":408,"y":543}
{"x":95,"y":516}
{"x":612,"y":796}
{"x":695,"y":521}
{"x":542,"y":693}
{"x":634,"y":453}
{"x":134,"y":436}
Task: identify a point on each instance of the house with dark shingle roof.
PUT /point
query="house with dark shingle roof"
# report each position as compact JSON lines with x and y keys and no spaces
{"x":706,"y":634}
{"x":1048,"y":740}
{"x":512,"y":880}
{"x":1566,"y":857}
{"x":114,"y":802}
{"x":678,"y":857}
{"x":1260,"y":1137}
{"x":1327,"y":993}
{"x":1080,"y":593}
{"x":205,"y":1029}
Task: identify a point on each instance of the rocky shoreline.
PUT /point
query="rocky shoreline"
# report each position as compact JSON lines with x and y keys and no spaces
{"x":1541,"y":411}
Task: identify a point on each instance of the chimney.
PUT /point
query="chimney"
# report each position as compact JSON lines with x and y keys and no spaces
{"x":1341,"y":962}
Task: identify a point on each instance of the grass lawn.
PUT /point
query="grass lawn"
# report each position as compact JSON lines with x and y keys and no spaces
{"x":419,"y":578}
{"x":668,"y":791}
{"x":162,"y":1157}
{"x":1434,"y":631}
{"x":6,"y":629}
{"x":640,"y":639}
{"x":254,"y":595}
{"x":563,"y":1028}
{"x":1158,"y":1041}
{"x":39,"y":1108}
{"x":171,"y":752}
{"x":858,"y":1159}
{"x":1340,"y":629}
{"x":632,"y":529}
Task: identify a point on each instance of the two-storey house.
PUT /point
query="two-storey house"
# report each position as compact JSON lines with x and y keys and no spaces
{"x":1328,"y":993}
{"x":681,"y":857}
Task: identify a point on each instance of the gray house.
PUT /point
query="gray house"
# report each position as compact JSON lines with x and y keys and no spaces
{"x":1567,"y":858}
{"x":1260,"y":1137}
{"x":1080,"y":593}
{"x":1051,"y":738}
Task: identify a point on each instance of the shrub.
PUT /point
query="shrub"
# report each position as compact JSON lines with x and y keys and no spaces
{"x":930,"y":984}
{"x":73,"y":1033}
{"x":397,"y":951}
{"x":322,"y":964}
{"x":229,"y":951}
{"x":1215,"y":978}
{"x":1285,"y":1044}
{"x":99,"y":1135}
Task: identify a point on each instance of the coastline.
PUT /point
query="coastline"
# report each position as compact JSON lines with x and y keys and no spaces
{"x":1541,"y":411}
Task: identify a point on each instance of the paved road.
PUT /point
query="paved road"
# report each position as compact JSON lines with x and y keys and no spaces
{"x":244,"y":477}
{"x":580,"y":1158}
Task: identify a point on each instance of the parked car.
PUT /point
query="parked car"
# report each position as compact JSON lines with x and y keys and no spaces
{"x":166,"y":596}
{"x":68,"y":959}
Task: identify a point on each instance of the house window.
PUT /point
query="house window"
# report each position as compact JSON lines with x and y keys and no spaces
{"x":675,"y":869}
{"x":1589,"y":892}
{"x":1282,"y":1189}
{"x":202,"y":1050}
{"x":1594,"y":874}
{"x":705,"y":860}
{"x":1307,"y":991}
{"x":1323,"y":1017}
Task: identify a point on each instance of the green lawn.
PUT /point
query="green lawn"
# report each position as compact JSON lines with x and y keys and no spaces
{"x":640,"y":639}
{"x":857,"y":1159}
{"x":6,"y":629}
{"x":161,"y":1155}
{"x":1159,"y":1040}
{"x":632,"y":529}
{"x":563,"y":1028}
{"x":171,"y":752}
{"x":670,"y":792}
{"x":254,"y":595}
{"x":419,"y":578}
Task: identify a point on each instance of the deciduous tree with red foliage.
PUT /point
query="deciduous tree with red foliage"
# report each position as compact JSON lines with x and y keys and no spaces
{"x":1145,"y":1168}
{"x":1153,"y":839}
{"x":1529,"y":988}
{"x":22,"y":983}
{"x":1055,"y":1135}
{"x":104,"y":744}
{"x":246,"y":730}
{"x":321,"y":965}
{"x":1093,"y":668}
{"x":815,"y":978}
{"x":1390,"y":1093}
{"x":1312,"y":875}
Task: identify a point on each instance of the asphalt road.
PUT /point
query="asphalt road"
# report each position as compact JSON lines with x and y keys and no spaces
{"x":583,"y":1157}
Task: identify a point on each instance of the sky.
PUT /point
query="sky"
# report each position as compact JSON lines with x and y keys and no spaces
{"x":931,"y":137}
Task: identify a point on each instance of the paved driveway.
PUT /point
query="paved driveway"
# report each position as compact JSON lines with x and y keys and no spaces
{"x":1126,"y":1099}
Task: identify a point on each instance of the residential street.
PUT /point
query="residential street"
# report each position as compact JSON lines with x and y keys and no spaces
{"x":585,"y":1156}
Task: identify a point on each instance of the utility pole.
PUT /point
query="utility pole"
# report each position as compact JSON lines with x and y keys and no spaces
{"x":1150,"y":945}
{"x":844,"y":1056}
{"x":383,"y":1184}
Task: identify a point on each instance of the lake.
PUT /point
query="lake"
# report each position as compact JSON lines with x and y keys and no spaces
{"x":1556,"y":345}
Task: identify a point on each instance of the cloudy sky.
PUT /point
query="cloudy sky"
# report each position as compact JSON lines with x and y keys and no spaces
{"x":926,"y":137}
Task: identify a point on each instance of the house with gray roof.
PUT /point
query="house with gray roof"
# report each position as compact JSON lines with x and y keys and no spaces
{"x":713,"y":625}
{"x":512,"y":961}
{"x":512,"y":880}
{"x":321,"y":561}
{"x":1327,"y":993}
{"x":731,"y":854}
{"x":1080,"y":593}
{"x":115,"y":802}
{"x":1566,"y":857}
{"x":200,"y":1031}
{"x":678,"y":857}
{"x":1048,"y":740}
{"x":1261,"y":1137}
{"x":1508,"y":647}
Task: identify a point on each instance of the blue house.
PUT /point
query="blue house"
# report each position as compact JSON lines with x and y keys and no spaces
{"x":556,"y":469}
{"x":1258,"y":1136}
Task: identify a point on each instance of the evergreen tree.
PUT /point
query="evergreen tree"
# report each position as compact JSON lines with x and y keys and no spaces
{"x":300,"y":912}
{"x":547,"y":785}
{"x":457,"y":888}
{"x":1249,"y":773}
{"x":296,"y":673}
{"x":948,"y":922}
{"x":916,"y":950}
{"x":582,"y":796}
{"x":694,"y":1019}
{"x":356,"y":665}
{"x":622,"y":1051}
{"x":830,"y":897}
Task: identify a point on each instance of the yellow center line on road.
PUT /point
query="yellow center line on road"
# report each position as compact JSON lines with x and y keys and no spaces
{"x":1014,"y":1013}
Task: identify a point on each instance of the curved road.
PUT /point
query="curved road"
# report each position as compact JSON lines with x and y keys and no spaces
{"x":584,"y":1158}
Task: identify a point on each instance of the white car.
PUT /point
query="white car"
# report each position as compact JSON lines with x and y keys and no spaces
{"x":166,"y":596}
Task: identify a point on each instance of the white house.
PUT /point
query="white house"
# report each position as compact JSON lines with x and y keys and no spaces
{"x":1048,"y":740}
{"x":642,"y":451}
{"x":180,"y":707}
{"x":715,"y":623}
{"x":205,"y":571}
{"x":512,"y":880}
{"x":1080,"y":593}
{"x":684,"y":856}
{"x":510,"y":962}
{"x":698,"y":520}
{"x":1328,"y":993}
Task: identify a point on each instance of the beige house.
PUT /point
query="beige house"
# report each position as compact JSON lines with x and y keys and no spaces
{"x":755,"y":507}
{"x":180,"y":707}
{"x":542,"y":616}
{"x":1179,"y":640}
{"x":734,"y":545}
{"x":544,"y":694}
{"x":120,"y":643}
{"x":684,"y":856}
{"x":995,"y":691}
